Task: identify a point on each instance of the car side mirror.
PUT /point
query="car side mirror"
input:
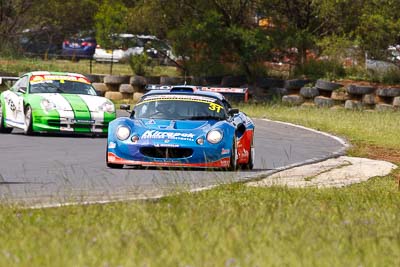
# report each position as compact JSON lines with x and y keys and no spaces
{"x":98,"y":93}
{"x":233,"y":111}
{"x":22,"y":90}
{"x":126,"y":107}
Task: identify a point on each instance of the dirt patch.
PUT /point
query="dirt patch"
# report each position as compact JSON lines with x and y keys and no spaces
{"x":381,"y":153}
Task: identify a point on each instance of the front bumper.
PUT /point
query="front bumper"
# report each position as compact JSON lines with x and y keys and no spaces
{"x":215,"y":156}
{"x":44,"y":123}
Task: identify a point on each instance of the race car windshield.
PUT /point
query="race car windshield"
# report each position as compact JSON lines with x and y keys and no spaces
{"x":171,"y":109}
{"x":62,"y":86}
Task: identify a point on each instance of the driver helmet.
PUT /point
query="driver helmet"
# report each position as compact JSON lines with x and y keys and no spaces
{"x":165,"y":107}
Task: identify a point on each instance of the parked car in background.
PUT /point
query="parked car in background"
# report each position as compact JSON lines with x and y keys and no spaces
{"x":79,"y":47}
{"x":43,"y":42}
{"x":131,"y":44}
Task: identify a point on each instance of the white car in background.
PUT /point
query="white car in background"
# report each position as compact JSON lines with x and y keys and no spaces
{"x":132,"y":44}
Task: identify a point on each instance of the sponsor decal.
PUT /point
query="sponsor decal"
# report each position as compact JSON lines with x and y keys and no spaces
{"x":62,"y":78}
{"x":112,"y":145}
{"x":225,"y":151}
{"x":151,"y":122}
{"x":154,"y":134}
{"x":185,"y":98}
{"x":82,"y":121}
{"x":166,"y":145}
{"x":12,"y":105}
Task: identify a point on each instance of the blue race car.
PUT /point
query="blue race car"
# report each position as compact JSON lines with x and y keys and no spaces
{"x":182,"y":126}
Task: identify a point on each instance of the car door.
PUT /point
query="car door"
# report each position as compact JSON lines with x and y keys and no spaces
{"x":14,"y":103}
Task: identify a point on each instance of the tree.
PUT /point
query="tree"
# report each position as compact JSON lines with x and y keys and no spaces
{"x":208,"y":35}
{"x":110,"y":22}
{"x":13,"y":17}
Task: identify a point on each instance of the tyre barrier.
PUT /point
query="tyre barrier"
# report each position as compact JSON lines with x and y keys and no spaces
{"x":353,"y":105}
{"x":360,"y":90}
{"x":292,"y":92}
{"x":126,"y":88}
{"x":116,"y":79}
{"x":293,"y":100}
{"x":295,"y":84}
{"x":327,"y":86}
{"x":369,"y":99}
{"x":388,"y":92}
{"x":322,"y":101}
{"x":309,"y":92}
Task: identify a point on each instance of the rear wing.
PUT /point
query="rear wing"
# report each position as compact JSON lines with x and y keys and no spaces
{"x":4,"y":79}
{"x":237,"y":94}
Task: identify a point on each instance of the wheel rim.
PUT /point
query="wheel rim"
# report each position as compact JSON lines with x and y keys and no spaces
{"x":28,"y":116}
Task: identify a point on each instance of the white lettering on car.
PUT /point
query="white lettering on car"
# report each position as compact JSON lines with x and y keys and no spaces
{"x":153,"y":134}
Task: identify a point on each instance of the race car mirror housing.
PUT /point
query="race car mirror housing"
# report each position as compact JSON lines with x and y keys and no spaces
{"x":22,"y":90}
{"x":126,"y":107}
{"x":233,"y":111}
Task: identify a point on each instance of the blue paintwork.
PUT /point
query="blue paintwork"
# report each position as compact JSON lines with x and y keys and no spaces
{"x":162,"y":133}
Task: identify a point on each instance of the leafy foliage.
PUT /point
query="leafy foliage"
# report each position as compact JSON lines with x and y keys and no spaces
{"x":219,"y":36}
{"x":110,"y":21}
{"x":138,"y":63}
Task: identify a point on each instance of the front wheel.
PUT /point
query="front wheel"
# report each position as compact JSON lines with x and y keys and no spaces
{"x":233,"y":160}
{"x":3,"y":128}
{"x":28,"y":121}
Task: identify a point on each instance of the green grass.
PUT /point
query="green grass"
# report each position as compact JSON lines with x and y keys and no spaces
{"x":18,"y":66}
{"x":230,"y":225}
{"x":359,"y":127}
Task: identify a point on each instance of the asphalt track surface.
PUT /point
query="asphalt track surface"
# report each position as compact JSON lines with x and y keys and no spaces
{"x":48,"y":170}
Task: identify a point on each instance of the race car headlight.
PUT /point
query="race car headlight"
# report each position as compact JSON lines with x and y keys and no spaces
{"x":214,"y":136}
{"x":123,"y":133}
{"x":107,"y":106}
{"x":47,"y":105}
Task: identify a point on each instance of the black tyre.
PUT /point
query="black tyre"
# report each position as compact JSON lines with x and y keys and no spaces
{"x":265,"y":82}
{"x":233,"y":81}
{"x":294,"y":100}
{"x":360,"y":90}
{"x":116,"y":79}
{"x":295,"y":83}
{"x":3,"y":128}
{"x":327,"y":86}
{"x":388,"y":92}
{"x":309,"y":92}
{"x":139,"y":81}
{"x":233,"y":161}
{"x":250,"y":163}
{"x":28,"y":121}
{"x":322,"y":101}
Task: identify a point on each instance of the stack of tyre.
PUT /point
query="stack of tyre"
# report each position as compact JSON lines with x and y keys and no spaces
{"x":296,"y":92}
{"x":121,"y":87}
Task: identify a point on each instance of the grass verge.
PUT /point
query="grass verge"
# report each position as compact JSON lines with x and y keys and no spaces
{"x":18,"y":66}
{"x":230,"y":225}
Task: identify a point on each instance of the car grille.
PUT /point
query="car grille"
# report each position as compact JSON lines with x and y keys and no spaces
{"x":166,"y":152}
{"x":58,"y":123}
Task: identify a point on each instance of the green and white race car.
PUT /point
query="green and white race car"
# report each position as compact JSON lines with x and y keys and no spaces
{"x":44,"y":101}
